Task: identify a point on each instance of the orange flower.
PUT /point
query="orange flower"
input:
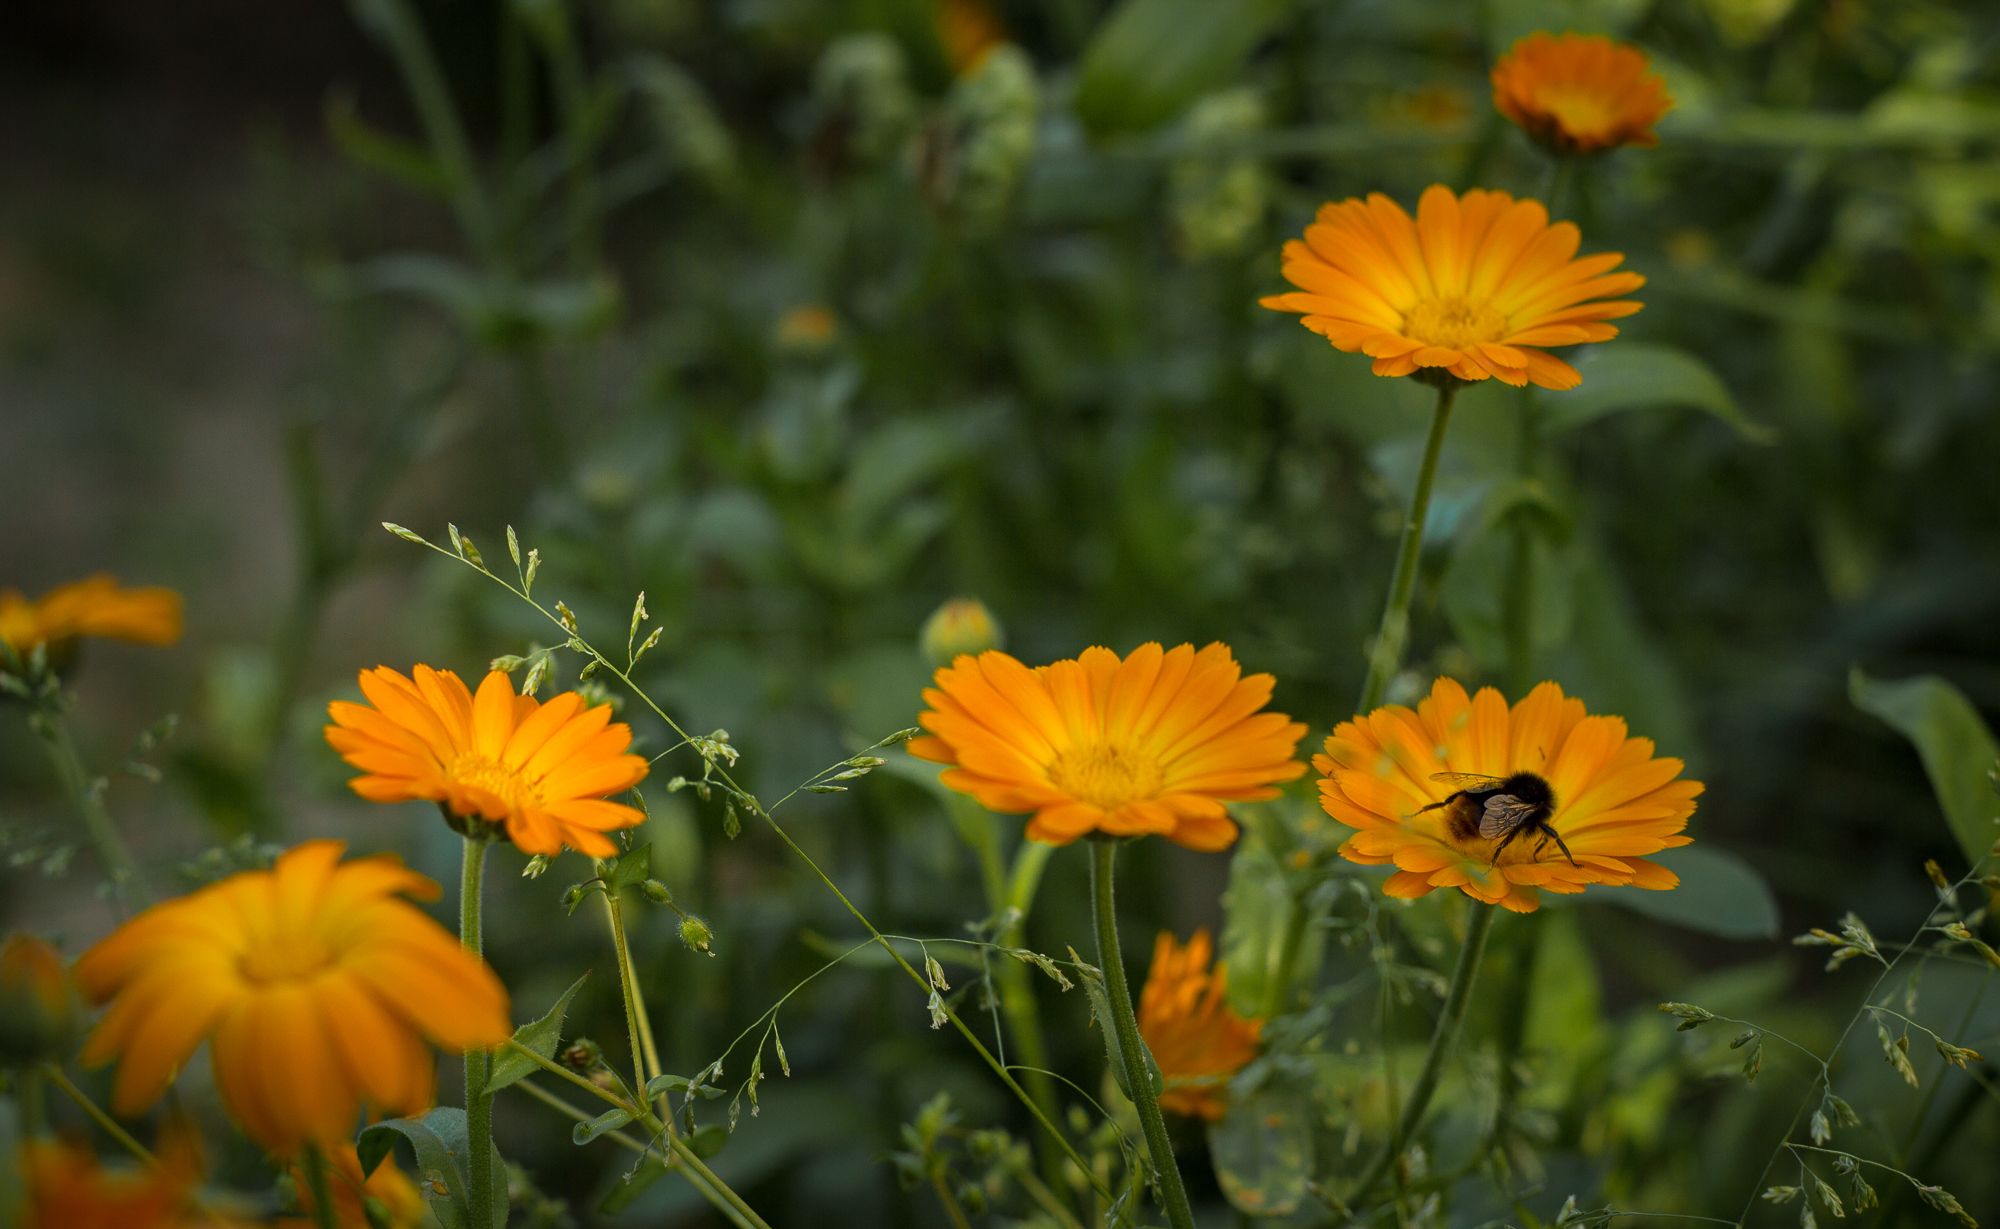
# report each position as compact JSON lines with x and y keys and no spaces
{"x":542,"y":770}
{"x":1469,"y":289}
{"x":67,"y":1189}
{"x":967,"y":30}
{"x":1195,"y":1035}
{"x":38,"y":1007}
{"x":1613,"y":801}
{"x":395,"y":1197}
{"x":94,"y":607}
{"x":1581,"y":93}
{"x":1155,"y":743}
{"x":315,"y":986}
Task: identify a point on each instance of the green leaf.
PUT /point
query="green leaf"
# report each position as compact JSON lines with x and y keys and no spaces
{"x":609,"y":1120}
{"x":542,"y":1036}
{"x":633,"y":868}
{"x":1633,"y":375}
{"x":1719,"y":894}
{"x":1100,"y":1009}
{"x":708,"y":1140}
{"x":1263,"y":1153}
{"x":367,"y":146}
{"x":437,"y":1141}
{"x":634,"y":1184}
{"x":1151,"y":58}
{"x":1957,"y":748}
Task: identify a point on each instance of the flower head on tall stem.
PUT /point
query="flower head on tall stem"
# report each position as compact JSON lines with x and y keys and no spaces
{"x":1472,"y":288}
{"x":1580,"y":93}
{"x":1395,"y":775}
{"x":1154,"y":743}
{"x":314,"y":957}
{"x":540,"y":771}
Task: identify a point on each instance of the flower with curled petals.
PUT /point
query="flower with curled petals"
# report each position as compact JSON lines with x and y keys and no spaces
{"x":1471,"y":289}
{"x":1155,"y":743}
{"x":539,"y":770}
{"x":1580,"y":93}
{"x":318,"y":989}
{"x":1196,"y":1037}
{"x":1615,"y":801}
{"x":97,"y":606}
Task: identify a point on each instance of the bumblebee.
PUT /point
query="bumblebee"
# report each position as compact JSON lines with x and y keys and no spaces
{"x":1499,"y":809}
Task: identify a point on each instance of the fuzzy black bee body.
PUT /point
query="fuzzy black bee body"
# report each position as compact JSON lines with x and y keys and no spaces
{"x":1499,"y":809}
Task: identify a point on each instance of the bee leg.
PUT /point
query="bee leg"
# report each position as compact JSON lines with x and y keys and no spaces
{"x":1557,"y":838}
{"x":1501,"y":848}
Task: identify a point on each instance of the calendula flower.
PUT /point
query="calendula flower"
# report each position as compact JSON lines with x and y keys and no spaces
{"x":66,"y":1188}
{"x":1472,"y":288}
{"x":97,"y":607}
{"x":962,"y":625}
{"x":1580,"y":93}
{"x":1466,"y":793}
{"x":38,"y":1007}
{"x":1195,"y":1035}
{"x":394,"y":1198}
{"x":315,"y":985}
{"x":967,"y":30}
{"x":1153,"y":744}
{"x":540,"y":770}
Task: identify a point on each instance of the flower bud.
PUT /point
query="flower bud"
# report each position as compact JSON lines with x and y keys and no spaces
{"x":657,"y":892}
{"x":38,"y":1007}
{"x":961,"y":625}
{"x":697,"y":935}
{"x":581,"y":1055}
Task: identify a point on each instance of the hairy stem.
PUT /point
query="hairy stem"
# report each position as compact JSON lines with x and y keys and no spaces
{"x":1132,"y":1047}
{"x":478,"y":1102}
{"x":1442,"y":1039}
{"x":1386,"y":653}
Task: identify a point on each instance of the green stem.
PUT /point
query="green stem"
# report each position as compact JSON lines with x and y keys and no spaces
{"x":314,"y":1164}
{"x":87,"y":793}
{"x":104,"y":1121}
{"x":1131,"y":1047}
{"x":1518,"y":588}
{"x":647,"y":1119}
{"x":1449,"y":1019}
{"x":1386,"y":654}
{"x":626,"y":1142}
{"x":478,"y":1102}
{"x":952,"y":1210}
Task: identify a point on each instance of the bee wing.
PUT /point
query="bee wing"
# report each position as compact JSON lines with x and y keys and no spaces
{"x":1466,"y":780}
{"x":1503,"y":814}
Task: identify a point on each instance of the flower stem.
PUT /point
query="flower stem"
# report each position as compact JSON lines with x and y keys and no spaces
{"x":1386,"y":654}
{"x":87,"y":793}
{"x":1131,"y":1047}
{"x":1449,"y":1019}
{"x":1517,"y":598}
{"x":478,"y":1102}
{"x":314,"y":1164}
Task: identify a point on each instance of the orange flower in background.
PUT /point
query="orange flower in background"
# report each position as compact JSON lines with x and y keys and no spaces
{"x":542,"y":770}
{"x":96,"y":607}
{"x":1422,"y":789}
{"x":66,"y":1188}
{"x":967,"y":30}
{"x":1153,"y":744}
{"x":1472,"y":287}
{"x":395,"y":1198}
{"x":39,"y":1014}
{"x":1195,"y":1035}
{"x":1580,"y":93}
{"x":314,"y":984}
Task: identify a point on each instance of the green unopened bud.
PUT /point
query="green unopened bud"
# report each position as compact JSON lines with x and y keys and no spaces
{"x":962,"y":625}
{"x":657,"y":892}
{"x":38,"y":1006}
{"x":974,"y":155}
{"x":697,"y":935}
{"x":582,"y":1055}
{"x":862,"y":93}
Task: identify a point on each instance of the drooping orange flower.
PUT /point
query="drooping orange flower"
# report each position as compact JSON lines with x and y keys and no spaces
{"x":394,"y":1196}
{"x":541,"y":770}
{"x":67,"y":1188}
{"x":97,"y":606}
{"x":1392,"y":774}
{"x":315,"y":985}
{"x":1580,"y":93}
{"x":1471,"y":288}
{"x":1153,"y":744}
{"x":1195,"y":1035}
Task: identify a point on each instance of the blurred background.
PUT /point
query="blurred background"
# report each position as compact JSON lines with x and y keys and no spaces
{"x":805,"y":316}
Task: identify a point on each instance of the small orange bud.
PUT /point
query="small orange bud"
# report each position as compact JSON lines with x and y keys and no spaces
{"x":961,"y":625}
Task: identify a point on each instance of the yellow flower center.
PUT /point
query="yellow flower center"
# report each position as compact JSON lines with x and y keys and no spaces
{"x":1106,"y":775}
{"x":294,"y":958}
{"x":499,"y":780}
{"x":1580,"y":112}
{"x":1455,"y":323}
